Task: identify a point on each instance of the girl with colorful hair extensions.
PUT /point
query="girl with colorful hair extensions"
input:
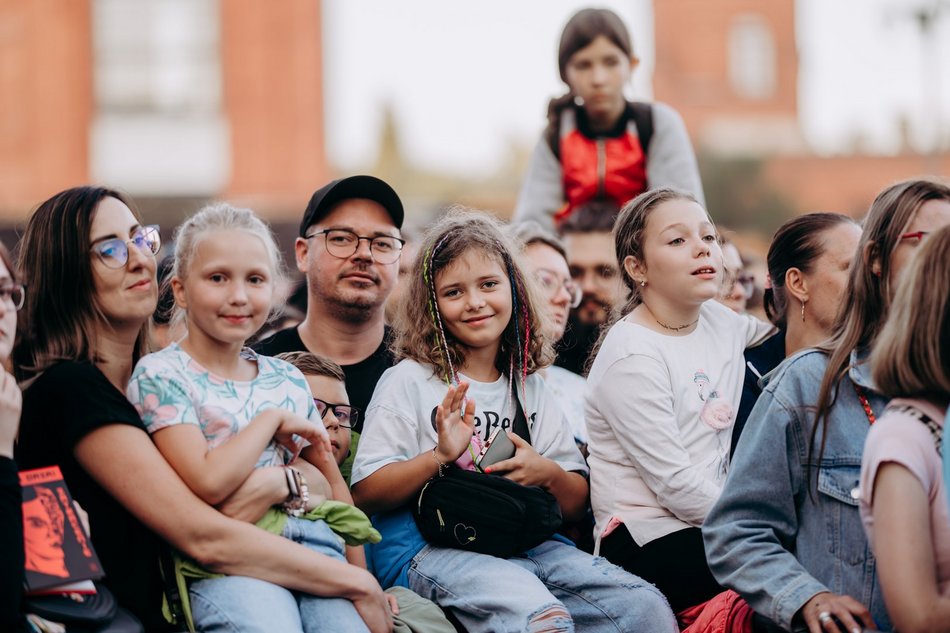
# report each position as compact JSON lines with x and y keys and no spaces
{"x":470,"y":345}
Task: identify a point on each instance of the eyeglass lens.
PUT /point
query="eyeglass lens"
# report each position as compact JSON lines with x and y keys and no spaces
{"x":114,"y":253}
{"x":344,"y":243}
{"x":13,"y":295}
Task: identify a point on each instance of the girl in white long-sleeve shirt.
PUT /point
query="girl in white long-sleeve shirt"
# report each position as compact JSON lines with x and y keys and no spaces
{"x":662,"y":396}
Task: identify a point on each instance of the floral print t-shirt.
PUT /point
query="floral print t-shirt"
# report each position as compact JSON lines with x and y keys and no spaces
{"x":169,"y":387}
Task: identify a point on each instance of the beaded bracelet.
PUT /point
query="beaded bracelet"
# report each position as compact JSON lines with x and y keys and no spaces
{"x":442,"y":465}
{"x":299,"y":492}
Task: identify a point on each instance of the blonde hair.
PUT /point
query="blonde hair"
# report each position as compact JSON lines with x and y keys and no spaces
{"x":313,"y":365}
{"x":911,"y":357}
{"x":420,"y":335}
{"x":221,"y":216}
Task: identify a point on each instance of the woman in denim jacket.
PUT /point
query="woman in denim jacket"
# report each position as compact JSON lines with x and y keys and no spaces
{"x":786,"y":533}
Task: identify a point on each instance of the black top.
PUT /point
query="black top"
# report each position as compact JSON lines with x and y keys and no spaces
{"x":361,"y":378}
{"x":11,"y":552}
{"x":764,"y":358}
{"x":576,"y":345}
{"x":63,"y":405}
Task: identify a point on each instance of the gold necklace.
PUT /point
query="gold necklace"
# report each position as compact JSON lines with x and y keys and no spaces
{"x":673,"y":327}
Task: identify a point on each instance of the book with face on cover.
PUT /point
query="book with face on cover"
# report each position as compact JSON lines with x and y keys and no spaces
{"x":59,"y":553}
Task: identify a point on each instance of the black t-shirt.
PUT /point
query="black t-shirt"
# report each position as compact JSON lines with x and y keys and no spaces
{"x":11,"y":552}
{"x":576,"y":345}
{"x":361,"y":378}
{"x":63,"y":405}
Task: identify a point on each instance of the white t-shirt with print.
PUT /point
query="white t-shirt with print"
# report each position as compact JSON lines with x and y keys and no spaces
{"x":659,"y":411}
{"x":400,"y":420}
{"x":169,"y":387}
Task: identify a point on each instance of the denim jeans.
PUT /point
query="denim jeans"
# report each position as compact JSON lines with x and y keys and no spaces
{"x":536,"y":591}
{"x":249,"y":605}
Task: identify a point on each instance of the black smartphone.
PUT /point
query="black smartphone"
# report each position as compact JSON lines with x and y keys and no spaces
{"x":498,"y":448}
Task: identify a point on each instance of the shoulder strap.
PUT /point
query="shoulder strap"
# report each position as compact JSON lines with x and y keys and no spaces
{"x":520,"y":424}
{"x":935,"y":430}
{"x":643,"y":117}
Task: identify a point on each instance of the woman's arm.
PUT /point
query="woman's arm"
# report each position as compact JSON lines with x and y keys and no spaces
{"x":142,"y":481}
{"x":903,"y":547}
{"x":214,"y":474}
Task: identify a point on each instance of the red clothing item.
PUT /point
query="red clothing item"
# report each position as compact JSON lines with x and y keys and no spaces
{"x":612,"y":167}
{"x":725,"y":613}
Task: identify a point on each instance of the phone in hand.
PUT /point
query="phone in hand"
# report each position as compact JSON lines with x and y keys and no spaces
{"x":498,"y":448}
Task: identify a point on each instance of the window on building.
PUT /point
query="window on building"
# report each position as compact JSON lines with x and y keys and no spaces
{"x":752,"y":57}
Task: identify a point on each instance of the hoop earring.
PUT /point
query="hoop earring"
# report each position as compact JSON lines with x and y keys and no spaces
{"x":803,"y":311}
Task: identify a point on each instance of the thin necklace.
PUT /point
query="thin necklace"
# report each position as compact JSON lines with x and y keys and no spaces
{"x":675,"y":328}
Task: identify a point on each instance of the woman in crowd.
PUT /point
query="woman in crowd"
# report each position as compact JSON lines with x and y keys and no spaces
{"x":598,"y":144}
{"x":11,"y":521}
{"x":81,"y":334}
{"x":737,"y":285}
{"x":546,"y":259}
{"x":903,"y":499}
{"x":661,"y":396}
{"x":808,"y":263}
{"x":786,"y":533}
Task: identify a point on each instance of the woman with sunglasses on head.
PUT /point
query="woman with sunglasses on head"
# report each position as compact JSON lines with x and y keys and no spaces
{"x":80,"y":338}
{"x":808,"y":263}
{"x":11,"y":513}
{"x":786,"y":532}
{"x":545,"y":257}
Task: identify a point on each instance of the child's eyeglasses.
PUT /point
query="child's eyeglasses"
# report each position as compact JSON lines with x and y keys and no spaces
{"x":114,"y":252}
{"x":551,"y":284}
{"x":346,"y":415}
{"x":13,"y":295}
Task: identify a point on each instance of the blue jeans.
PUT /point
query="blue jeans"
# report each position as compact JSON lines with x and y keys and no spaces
{"x":553,"y":587}
{"x":249,"y":605}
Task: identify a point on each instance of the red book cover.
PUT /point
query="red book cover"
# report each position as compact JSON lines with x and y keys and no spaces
{"x":58,"y":549}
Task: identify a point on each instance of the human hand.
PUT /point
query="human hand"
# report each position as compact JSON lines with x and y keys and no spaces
{"x":455,"y":427}
{"x":373,"y":607}
{"x":292,"y":425}
{"x":393,"y":603}
{"x":823,"y":609}
{"x":526,"y":467}
{"x":11,"y":401}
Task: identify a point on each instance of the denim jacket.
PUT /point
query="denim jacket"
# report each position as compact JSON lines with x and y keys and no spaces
{"x":778,"y":536}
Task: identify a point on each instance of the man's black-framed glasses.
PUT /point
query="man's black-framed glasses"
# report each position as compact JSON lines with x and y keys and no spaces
{"x":343,"y":243}
{"x":346,"y":415}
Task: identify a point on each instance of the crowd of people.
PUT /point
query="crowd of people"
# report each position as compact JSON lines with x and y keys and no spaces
{"x":711,"y":470}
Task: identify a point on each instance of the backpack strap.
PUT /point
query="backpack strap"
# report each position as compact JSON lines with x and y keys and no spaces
{"x":520,"y":424}
{"x":935,"y":430}
{"x":643,"y":117}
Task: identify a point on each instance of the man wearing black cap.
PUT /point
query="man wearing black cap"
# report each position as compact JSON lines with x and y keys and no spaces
{"x":349,"y":248}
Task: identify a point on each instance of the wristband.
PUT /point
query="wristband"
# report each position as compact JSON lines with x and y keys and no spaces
{"x":299,"y":492}
{"x":442,"y":465}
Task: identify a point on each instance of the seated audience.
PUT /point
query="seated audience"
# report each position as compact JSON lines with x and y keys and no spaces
{"x":661,"y":396}
{"x":903,"y":498}
{"x":470,"y":343}
{"x":95,"y":262}
{"x":786,"y":532}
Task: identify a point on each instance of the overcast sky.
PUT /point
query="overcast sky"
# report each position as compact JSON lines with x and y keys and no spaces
{"x":464,"y":78}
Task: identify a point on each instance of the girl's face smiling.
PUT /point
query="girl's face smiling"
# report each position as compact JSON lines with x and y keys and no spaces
{"x":597,"y":74}
{"x":683,"y":259}
{"x":228,"y":288}
{"x":474,"y":299}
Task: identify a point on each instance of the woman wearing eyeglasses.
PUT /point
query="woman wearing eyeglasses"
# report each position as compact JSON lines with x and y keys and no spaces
{"x":737,"y":286}
{"x":786,"y":532}
{"x":545,"y":257}
{"x":808,"y":263}
{"x":81,"y":334}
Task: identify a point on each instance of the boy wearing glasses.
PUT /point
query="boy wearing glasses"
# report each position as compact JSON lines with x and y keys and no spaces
{"x":328,"y":386}
{"x":411,"y":612}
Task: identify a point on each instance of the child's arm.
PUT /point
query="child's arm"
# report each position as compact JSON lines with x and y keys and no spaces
{"x":214,"y":474}
{"x":394,"y":484}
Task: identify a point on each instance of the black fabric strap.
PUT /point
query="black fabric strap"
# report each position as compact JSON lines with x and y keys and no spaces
{"x":519,"y":424}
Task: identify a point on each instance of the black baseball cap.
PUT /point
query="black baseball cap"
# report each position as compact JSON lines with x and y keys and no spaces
{"x":369,"y":187}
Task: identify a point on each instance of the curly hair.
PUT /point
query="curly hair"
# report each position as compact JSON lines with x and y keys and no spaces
{"x":420,"y":332}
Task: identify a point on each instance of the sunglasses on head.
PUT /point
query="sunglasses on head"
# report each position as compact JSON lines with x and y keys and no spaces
{"x":114,"y":252}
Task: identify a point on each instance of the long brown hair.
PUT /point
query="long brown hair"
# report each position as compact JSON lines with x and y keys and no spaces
{"x":420,"y":335}
{"x":869,"y":295}
{"x":59,"y":317}
{"x":911,"y":357}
